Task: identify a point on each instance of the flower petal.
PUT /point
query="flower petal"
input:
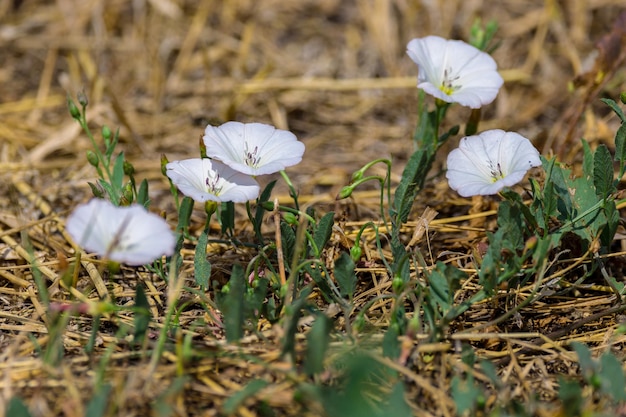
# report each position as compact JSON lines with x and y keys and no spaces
{"x":455,"y":71}
{"x":484,"y":164}
{"x":253,"y":148}
{"x":129,"y":235}
{"x":208,"y":180}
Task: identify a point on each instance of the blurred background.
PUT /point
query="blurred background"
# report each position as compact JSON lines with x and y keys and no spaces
{"x":334,"y":72}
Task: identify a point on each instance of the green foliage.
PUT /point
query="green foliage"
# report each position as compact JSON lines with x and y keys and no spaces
{"x":344,"y":274}
{"x":323,"y":231}
{"x":318,"y":339}
{"x":249,"y":390}
{"x":17,"y":408}
{"x":142,"y":315}
{"x":232,"y":305}
{"x":202,"y":266}
{"x":364,"y":381}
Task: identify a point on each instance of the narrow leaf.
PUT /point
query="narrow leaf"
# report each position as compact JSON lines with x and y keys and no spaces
{"x":603,"y":172}
{"x":344,"y":274}
{"x":615,"y":107}
{"x":202,"y":267}
{"x":233,"y":307}
{"x":142,"y":315}
{"x":318,"y":339}
{"x":97,"y":406}
{"x":235,"y":400}
{"x":118,"y":172}
{"x":17,"y":408}
{"x":142,"y":194}
{"x":323,"y":231}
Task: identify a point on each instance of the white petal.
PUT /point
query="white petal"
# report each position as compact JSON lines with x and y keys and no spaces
{"x":194,"y":176}
{"x":484,"y":164}
{"x":129,"y":235}
{"x":253,"y":148}
{"x":471,"y":71}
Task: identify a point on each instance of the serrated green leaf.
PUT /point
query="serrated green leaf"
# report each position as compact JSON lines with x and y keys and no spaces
{"x":288,"y":238}
{"x":323,"y":231}
{"x":344,"y":274}
{"x":318,"y":339}
{"x":603,"y":172}
{"x":201,"y":265}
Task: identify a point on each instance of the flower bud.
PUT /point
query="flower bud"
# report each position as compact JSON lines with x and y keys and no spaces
{"x":268,"y":205}
{"x":92,"y":158}
{"x":74,"y":112}
{"x":96,"y":190}
{"x":129,"y":169}
{"x":82,"y":99}
{"x":164,"y":163}
{"x":127,"y":195}
{"x":202,"y":147}
{"x":345,"y":192}
{"x":356,"y":252}
{"x":290,"y":218}
{"x":397,"y":284}
{"x":210,"y":207}
{"x":622,"y":97}
{"x":359,"y":323}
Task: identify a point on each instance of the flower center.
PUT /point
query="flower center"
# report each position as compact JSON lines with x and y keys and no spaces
{"x":252,"y":158}
{"x":496,"y":172}
{"x":214,"y":183}
{"x":447,"y":85}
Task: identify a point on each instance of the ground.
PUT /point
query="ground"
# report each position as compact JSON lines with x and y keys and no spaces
{"x":336,"y":74}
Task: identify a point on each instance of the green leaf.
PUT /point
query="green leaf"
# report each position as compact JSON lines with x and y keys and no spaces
{"x":288,"y":238}
{"x":227,"y":217}
{"x":615,"y":107}
{"x":620,"y":149}
{"x":464,"y":393}
{"x":142,"y":316}
{"x":412,"y":180}
{"x":612,"y":377}
{"x":318,"y":339}
{"x":98,"y":404}
{"x":117,"y":179}
{"x":17,"y":408}
{"x":603,"y":172}
{"x":570,"y":395}
{"x":164,"y":404}
{"x":587,"y":159}
{"x":235,"y":400}
{"x":344,"y":274}
{"x":142,"y":195}
{"x":587,"y":365}
{"x":260,"y":211}
{"x":293,"y":313}
{"x":323,"y":231}
{"x":201,"y":265}
{"x":184,"y":214}
{"x":233,"y":307}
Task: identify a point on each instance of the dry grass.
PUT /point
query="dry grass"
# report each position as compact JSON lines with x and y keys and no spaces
{"x":335,"y":73}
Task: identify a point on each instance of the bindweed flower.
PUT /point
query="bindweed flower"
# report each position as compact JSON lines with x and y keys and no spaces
{"x":204,"y":180}
{"x":129,"y":235}
{"x":486,"y":163}
{"x":253,"y":148}
{"x":455,"y":71}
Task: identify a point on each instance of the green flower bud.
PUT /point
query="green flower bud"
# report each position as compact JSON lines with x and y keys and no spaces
{"x":106,"y":133}
{"x":345,"y":192}
{"x":268,"y":205}
{"x":74,"y":112}
{"x":164,"y":162}
{"x":359,"y":323}
{"x":129,"y":169}
{"x":96,"y":190}
{"x":202,"y":147}
{"x":127,"y":195}
{"x":92,"y":158}
{"x":210,"y":207}
{"x":622,"y":97}
{"x":397,"y":284}
{"x":356,"y":252}
{"x":82,"y":99}
{"x":290,"y":218}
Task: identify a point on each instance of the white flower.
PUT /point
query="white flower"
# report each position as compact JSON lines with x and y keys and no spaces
{"x":205,"y":179}
{"x":253,"y":148}
{"x":455,"y":71}
{"x":486,"y":163}
{"x":129,"y":235}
